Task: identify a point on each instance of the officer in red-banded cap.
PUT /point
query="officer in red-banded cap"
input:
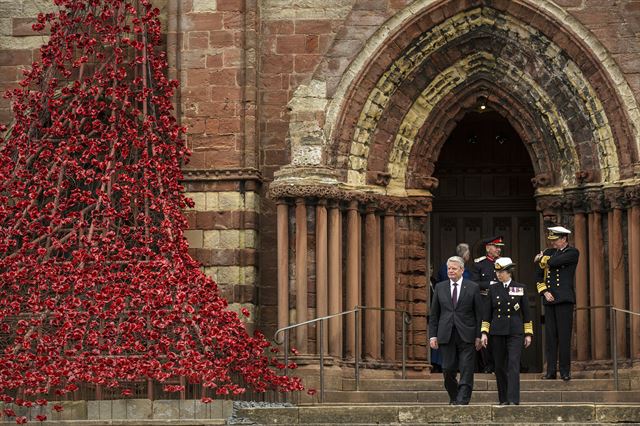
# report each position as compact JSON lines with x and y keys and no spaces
{"x":483,"y":273}
{"x":556,"y":284}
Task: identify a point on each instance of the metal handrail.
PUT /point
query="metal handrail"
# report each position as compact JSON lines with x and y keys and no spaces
{"x":406,"y":319}
{"x":614,"y":334}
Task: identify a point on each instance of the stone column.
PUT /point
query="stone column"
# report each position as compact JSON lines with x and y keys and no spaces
{"x":617,"y":293}
{"x":576,"y":202}
{"x":582,"y":286}
{"x":389,"y":285}
{"x":335,"y":277}
{"x":597,"y":279}
{"x":283,"y":262}
{"x":372,"y":285}
{"x":353,"y":272}
{"x":301,"y":274}
{"x":633,"y":220}
{"x":321,"y":274}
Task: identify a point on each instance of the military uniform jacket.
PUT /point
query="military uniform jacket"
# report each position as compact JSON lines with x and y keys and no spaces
{"x":483,"y":272}
{"x":508,"y":313}
{"x":559,"y":278}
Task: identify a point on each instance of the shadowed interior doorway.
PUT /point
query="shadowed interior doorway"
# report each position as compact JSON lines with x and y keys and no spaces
{"x":485,"y":189}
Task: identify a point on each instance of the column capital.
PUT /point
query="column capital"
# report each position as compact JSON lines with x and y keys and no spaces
{"x":549,"y":205}
{"x":632,"y":194}
{"x":574,"y":201}
{"x":615,"y":198}
{"x":595,"y":201}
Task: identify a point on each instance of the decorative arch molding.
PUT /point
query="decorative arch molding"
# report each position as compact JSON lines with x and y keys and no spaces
{"x":460,"y":74}
{"x":316,"y":145}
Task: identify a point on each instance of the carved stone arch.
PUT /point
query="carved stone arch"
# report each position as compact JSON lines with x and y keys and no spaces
{"x":432,"y":138}
{"x":337,"y":101}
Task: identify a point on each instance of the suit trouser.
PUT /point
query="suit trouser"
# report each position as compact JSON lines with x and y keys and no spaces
{"x":458,"y":355}
{"x":558,"y":321}
{"x":506,"y":355}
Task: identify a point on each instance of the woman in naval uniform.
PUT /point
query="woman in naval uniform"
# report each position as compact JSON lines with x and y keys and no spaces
{"x":506,"y":328}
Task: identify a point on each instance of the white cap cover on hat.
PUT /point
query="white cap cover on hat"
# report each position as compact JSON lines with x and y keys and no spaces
{"x":503,"y":263}
{"x":556,"y":232}
{"x":559,"y":230}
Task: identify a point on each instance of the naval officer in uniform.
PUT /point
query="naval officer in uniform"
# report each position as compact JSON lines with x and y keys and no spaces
{"x":483,"y":273}
{"x":556,"y":275}
{"x":506,"y":328}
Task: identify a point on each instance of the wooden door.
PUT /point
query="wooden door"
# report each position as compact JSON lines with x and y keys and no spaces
{"x":484,"y":175}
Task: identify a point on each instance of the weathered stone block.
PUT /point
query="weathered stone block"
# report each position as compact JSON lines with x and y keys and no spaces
{"x":194,"y":238}
{"x":617,"y":413}
{"x":166,"y":409}
{"x":271,"y":416}
{"x":544,"y":413}
{"x":348,"y":415}
{"x":139,"y":409}
{"x":437,"y":414}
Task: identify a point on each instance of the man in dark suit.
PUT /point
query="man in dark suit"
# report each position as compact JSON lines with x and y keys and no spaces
{"x":454,"y":327}
{"x":555,"y":276}
{"x":484,"y":274}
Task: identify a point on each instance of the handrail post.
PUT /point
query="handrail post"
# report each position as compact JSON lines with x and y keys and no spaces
{"x":614,"y":346}
{"x":321,"y":362}
{"x":404,"y":345}
{"x":357,"y":346}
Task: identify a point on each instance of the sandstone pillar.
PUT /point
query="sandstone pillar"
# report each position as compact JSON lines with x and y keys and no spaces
{"x":353,"y":272}
{"x":321,"y":273}
{"x":389,"y":286}
{"x":634,"y":276}
{"x":371,"y":329}
{"x":283,"y":263}
{"x":617,"y":292}
{"x":301,"y":274}
{"x":335,"y":277}
{"x":582,"y":286}
{"x":597,"y":285}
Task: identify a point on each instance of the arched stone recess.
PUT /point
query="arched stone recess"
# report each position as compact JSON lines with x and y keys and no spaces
{"x":544,"y":112}
{"x":551,"y":83}
{"x":598,"y":137}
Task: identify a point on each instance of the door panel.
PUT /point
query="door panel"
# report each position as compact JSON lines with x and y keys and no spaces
{"x":520,"y":233}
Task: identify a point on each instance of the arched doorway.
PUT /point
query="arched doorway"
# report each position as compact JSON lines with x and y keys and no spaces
{"x":485,"y":189}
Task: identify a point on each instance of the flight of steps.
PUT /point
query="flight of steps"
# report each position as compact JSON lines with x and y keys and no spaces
{"x":587,"y":400}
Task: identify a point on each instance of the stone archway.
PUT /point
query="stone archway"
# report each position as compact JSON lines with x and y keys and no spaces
{"x":367,"y":145}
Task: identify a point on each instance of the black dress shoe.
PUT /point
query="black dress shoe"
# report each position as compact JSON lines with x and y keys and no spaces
{"x":566,"y":378}
{"x":549,"y":377}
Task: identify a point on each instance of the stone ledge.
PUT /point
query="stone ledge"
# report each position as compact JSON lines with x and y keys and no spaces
{"x":422,"y":414}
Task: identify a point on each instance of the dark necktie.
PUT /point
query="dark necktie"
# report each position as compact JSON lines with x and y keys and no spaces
{"x":454,"y":295}
{"x":506,"y":286}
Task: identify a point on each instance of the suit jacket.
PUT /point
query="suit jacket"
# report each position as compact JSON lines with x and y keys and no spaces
{"x":560,"y":277}
{"x":466,"y":317}
{"x":507,"y":313}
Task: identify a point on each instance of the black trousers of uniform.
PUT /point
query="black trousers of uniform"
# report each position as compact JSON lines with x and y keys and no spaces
{"x":558,"y":321}
{"x":507,"y":351}
{"x":458,"y":355}
{"x":484,"y":357}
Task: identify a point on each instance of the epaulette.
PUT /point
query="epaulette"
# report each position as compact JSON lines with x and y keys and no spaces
{"x":480,"y":259}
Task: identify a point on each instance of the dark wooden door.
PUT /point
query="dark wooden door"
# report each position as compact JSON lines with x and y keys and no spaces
{"x":485,"y":189}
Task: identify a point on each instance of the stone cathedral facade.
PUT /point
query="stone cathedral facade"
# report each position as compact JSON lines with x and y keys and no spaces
{"x":342,"y":148}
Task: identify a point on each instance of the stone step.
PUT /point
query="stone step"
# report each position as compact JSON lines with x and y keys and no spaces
{"x":482,"y":397}
{"x":486,"y":384}
{"x":424,"y":414}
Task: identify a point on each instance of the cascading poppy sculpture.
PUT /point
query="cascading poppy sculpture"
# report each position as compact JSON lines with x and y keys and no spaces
{"x":96,"y":283}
